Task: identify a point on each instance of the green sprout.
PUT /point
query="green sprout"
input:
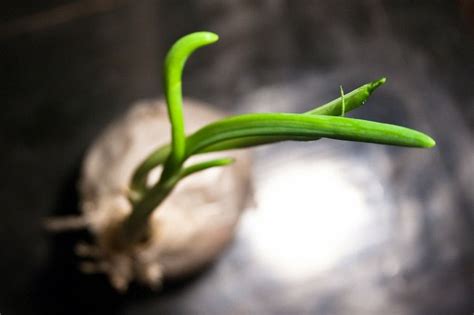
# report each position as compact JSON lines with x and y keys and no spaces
{"x":243,"y":131}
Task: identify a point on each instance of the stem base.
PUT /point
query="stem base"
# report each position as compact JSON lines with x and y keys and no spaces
{"x":192,"y":226}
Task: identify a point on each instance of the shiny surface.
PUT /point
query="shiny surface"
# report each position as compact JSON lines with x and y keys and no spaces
{"x":338,"y":227}
{"x":395,"y":233}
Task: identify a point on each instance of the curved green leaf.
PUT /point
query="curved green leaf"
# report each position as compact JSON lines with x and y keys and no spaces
{"x":306,"y":126}
{"x":173,"y":69}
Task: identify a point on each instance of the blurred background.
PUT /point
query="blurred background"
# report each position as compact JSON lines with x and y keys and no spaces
{"x":337,"y":227}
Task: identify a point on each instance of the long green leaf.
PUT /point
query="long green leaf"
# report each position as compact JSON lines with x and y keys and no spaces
{"x":307,"y":126}
{"x":351,"y":101}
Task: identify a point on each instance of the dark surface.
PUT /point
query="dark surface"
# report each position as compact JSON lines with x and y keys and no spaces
{"x":339,"y":228}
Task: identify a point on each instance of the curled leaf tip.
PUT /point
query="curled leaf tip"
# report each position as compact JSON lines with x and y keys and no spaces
{"x":211,"y":37}
{"x":204,"y":37}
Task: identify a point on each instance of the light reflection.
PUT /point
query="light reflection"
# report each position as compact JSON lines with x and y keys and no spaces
{"x":311,"y":214}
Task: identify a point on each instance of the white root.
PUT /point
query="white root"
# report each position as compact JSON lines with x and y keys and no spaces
{"x":65,"y":223}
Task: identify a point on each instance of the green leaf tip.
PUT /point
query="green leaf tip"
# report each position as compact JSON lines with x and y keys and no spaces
{"x":372,"y":86}
{"x":206,"y":165}
{"x":352,"y":100}
{"x":184,"y":47}
{"x":427,"y":141}
{"x":209,"y":37}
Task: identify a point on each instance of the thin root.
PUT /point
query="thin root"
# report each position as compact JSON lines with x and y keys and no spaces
{"x":65,"y":223}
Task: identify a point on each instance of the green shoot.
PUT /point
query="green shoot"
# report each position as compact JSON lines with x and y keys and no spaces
{"x":173,"y":70}
{"x":243,"y":131}
{"x":352,"y":100}
{"x":303,"y":128}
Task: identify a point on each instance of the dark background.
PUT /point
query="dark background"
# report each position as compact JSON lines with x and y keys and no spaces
{"x":68,"y":68}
